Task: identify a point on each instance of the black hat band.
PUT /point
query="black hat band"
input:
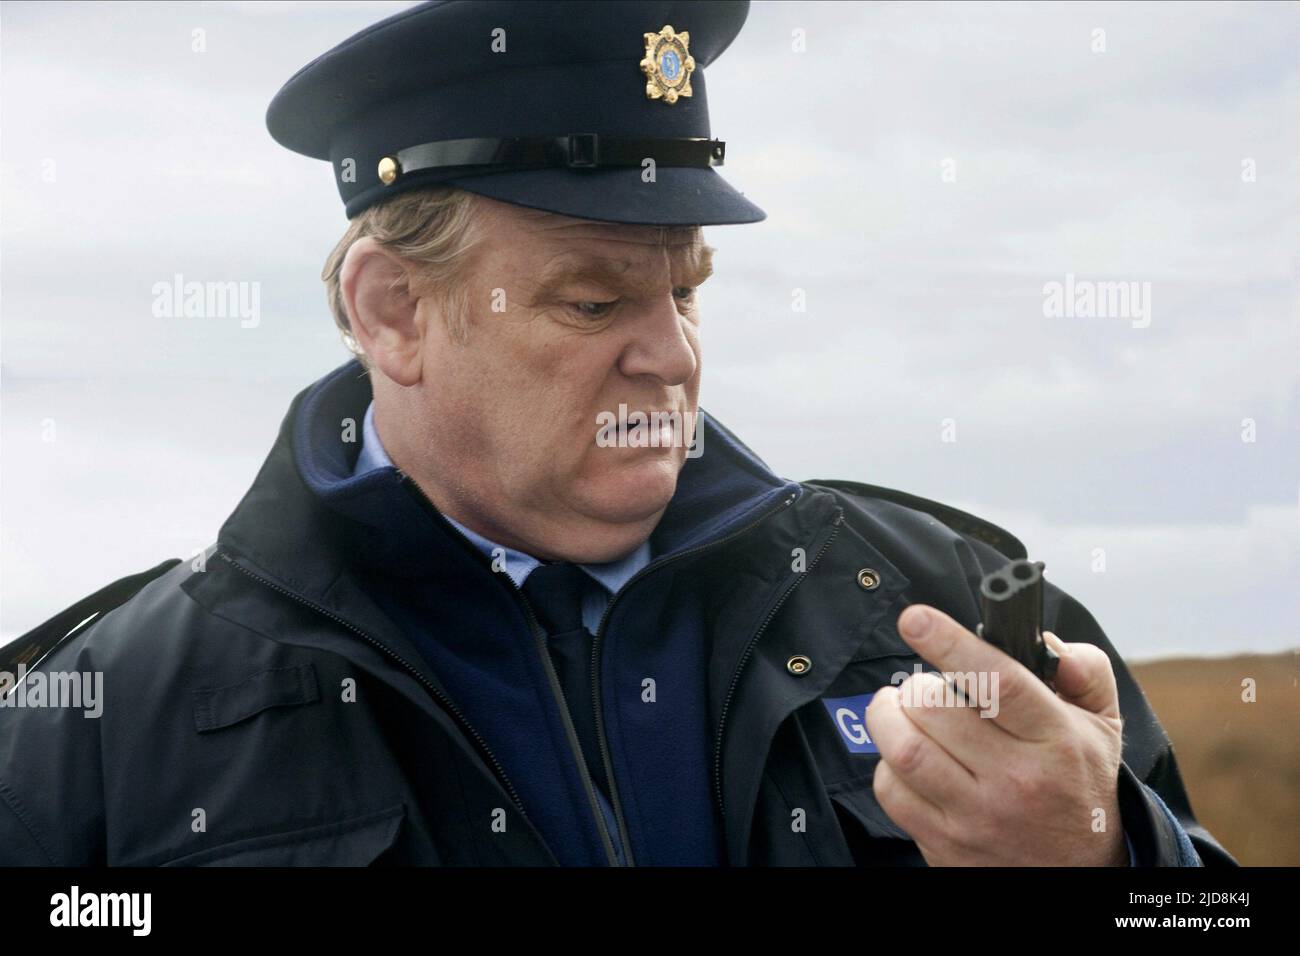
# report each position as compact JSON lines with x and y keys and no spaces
{"x":575,"y":151}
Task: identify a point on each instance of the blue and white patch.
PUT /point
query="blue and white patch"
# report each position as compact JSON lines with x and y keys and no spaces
{"x":849,"y":714}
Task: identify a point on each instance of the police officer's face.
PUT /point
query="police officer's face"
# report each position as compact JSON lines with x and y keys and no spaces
{"x":568,"y":320}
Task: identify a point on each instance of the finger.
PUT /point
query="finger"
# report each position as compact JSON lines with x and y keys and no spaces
{"x":1085,"y":676}
{"x":1026,"y":707}
{"x":922,"y":820}
{"x":922,"y":763}
{"x":951,"y":715}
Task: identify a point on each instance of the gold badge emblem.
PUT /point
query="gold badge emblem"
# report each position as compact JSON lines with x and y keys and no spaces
{"x":668,"y":65}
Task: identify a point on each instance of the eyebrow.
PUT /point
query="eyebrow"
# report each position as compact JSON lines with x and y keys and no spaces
{"x":572,"y":266}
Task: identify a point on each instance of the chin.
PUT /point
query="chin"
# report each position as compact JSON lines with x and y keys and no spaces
{"x":634,"y":491}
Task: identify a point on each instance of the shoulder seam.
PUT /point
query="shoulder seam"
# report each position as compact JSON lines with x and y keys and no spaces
{"x":34,"y":646}
{"x":960,"y":521}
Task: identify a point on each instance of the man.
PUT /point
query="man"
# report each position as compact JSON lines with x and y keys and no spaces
{"x":516,"y":623}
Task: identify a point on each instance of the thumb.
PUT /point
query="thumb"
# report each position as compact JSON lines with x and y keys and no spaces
{"x":1085,"y":677}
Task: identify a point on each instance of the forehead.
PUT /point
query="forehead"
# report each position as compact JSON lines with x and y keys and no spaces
{"x":546,"y":239}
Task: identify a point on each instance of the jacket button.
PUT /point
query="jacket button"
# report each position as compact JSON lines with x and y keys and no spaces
{"x":868,"y":579}
{"x":799,"y":664}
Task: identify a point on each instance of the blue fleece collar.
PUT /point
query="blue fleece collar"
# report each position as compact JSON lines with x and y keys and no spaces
{"x":611,"y":575}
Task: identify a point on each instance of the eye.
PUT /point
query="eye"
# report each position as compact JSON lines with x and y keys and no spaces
{"x":594,"y":310}
{"x":684,"y":291}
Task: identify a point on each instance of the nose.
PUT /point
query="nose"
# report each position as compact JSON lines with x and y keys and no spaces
{"x":661,"y":343}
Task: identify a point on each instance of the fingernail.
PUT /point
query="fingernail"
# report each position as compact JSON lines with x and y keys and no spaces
{"x":916,"y":622}
{"x":1058,"y":645}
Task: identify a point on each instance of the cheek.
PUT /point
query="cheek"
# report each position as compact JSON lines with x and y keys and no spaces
{"x":692,"y":333}
{"x":545,"y":405}
{"x":473,"y":397}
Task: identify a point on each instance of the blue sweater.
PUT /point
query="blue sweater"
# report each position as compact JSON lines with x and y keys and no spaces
{"x":607,"y":578}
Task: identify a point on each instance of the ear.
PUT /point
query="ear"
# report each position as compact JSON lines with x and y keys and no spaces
{"x":376,"y":287}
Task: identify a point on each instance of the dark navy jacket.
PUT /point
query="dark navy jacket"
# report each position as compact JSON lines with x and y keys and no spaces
{"x":343,"y":679}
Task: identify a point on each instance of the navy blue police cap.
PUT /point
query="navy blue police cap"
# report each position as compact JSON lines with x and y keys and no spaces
{"x":552,"y":105}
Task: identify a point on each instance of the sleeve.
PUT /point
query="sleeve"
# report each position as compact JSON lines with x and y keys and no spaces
{"x":1157,"y":817}
{"x":51,"y":793}
{"x":51,"y":771}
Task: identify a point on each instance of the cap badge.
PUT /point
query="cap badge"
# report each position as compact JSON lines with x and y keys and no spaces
{"x":668,"y":65}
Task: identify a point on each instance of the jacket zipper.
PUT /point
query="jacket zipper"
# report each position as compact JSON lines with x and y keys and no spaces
{"x":446,"y":702}
{"x":616,"y":804}
{"x":539,"y":639}
{"x":749,"y":649}
{"x":600,"y":632}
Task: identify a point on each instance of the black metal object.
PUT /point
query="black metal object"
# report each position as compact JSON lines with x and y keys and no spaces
{"x":1011,"y":605}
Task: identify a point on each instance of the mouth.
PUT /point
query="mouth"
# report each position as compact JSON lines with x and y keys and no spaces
{"x":641,"y":427}
{"x":656,"y":428}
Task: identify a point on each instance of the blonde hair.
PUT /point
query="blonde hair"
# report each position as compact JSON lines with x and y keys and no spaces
{"x":435,"y":229}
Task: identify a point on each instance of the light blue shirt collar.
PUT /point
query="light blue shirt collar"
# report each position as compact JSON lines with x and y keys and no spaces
{"x":611,"y":575}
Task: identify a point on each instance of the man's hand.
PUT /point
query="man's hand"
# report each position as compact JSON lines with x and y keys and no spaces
{"x":1036,"y":784}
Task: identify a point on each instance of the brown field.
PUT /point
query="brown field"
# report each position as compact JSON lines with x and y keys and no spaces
{"x":1240,"y":761}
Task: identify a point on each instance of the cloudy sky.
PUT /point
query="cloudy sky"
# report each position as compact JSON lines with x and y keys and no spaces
{"x":927,"y":170}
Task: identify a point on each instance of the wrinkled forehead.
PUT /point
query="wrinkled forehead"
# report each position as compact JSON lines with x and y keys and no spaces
{"x":550,"y":248}
{"x":505,"y":222}
{"x":559,"y":230}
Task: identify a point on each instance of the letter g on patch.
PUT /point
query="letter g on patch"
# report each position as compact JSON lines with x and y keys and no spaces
{"x":849,"y":714}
